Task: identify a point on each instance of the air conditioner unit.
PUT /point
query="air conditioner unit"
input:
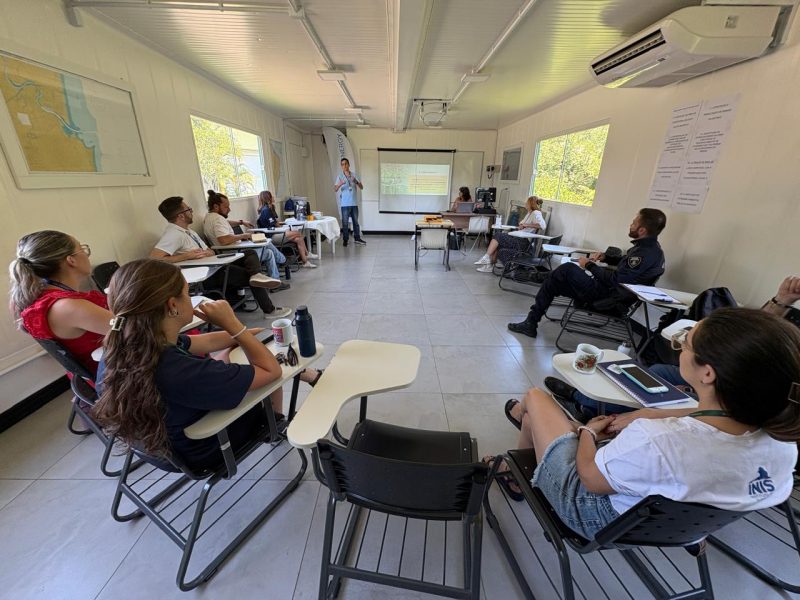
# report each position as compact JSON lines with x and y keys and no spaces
{"x":690,"y":42}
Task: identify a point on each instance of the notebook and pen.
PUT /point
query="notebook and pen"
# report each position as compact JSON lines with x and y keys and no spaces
{"x":651,"y":294}
{"x":627,"y":381}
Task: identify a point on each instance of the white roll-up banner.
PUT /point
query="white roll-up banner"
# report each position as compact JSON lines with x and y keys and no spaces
{"x":338,"y":148}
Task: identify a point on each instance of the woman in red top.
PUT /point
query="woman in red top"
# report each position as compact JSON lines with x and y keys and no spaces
{"x":46,"y":275}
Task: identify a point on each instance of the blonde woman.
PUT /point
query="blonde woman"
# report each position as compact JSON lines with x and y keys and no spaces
{"x":504,"y":246}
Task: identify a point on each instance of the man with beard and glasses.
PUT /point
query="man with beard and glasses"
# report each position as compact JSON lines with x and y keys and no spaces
{"x":643,"y":264}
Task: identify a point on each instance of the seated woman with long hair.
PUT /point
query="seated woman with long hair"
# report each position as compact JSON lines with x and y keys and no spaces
{"x":50,"y":268}
{"x":463,"y":196}
{"x":268,"y":219}
{"x":504,"y":246}
{"x":154,"y":382}
{"x":736,"y":450}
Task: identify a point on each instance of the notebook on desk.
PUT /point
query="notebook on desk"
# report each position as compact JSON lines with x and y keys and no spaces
{"x":672,"y":396}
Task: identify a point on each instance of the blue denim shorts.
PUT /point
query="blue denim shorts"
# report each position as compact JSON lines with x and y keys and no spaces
{"x":556,"y":476}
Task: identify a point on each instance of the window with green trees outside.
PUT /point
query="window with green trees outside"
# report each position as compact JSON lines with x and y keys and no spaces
{"x":231,"y":161}
{"x":566,"y":167}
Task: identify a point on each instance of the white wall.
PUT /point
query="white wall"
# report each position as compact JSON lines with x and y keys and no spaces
{"x":746,"y":236}
{"x":120,"y":223}
{"x":370,"y":139}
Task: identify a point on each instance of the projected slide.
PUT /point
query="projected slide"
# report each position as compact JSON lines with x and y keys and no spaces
{"x":414,"y":180}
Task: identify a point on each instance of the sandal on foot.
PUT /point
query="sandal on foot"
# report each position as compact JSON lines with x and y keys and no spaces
{"x":314,"y":381}
{"x":510,"y":404}
{"x":506,"y":480}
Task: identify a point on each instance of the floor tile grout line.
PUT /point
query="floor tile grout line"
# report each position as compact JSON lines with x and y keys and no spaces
{"x":308,"y":537}
{"x":123,"y":559}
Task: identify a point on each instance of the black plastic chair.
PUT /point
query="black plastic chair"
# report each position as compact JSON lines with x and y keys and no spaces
{"x":85,"y":396}
{"x":432,"y":476}
{"x":654,"y":522}
{"x":102,"y":273}
{"x":168,"y":512}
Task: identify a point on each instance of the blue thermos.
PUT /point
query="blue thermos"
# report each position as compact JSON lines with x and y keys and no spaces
{"x":305,"y":332}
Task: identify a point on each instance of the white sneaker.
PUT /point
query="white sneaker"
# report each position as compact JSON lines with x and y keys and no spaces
{"x":308,"y":265}
{"x":262,"y":281}
{"x":312,"y":255}
{"x":483,"y":260}
{"x":278,"y":312}
{"x":486,"y":269}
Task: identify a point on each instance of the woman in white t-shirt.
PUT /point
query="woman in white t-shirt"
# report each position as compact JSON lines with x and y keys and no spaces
{"x":736,"y":450}
{"x":504,"y":246}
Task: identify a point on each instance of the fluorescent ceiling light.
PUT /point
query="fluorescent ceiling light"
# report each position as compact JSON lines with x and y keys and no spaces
{"x":331,"y":75}
{"x":353,"y":109}
{"x":474,"y":77}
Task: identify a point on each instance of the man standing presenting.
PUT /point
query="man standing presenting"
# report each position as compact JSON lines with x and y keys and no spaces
{"x":643,"y":264}
{"x":179,"y":243}
{"x":345,"y":184}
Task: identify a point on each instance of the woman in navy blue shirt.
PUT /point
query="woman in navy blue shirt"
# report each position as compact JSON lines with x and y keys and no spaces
{"x":155,"y":382}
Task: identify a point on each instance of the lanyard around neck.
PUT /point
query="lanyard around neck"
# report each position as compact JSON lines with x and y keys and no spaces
{"x":191,"y":234}
{"x":710,"y":413}
{"x":58,"y":285}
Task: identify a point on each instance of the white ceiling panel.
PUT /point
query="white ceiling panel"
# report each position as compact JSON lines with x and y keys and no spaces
{"x":270,"y":58}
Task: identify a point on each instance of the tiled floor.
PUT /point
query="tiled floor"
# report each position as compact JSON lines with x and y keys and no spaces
{"x":58,"y":540}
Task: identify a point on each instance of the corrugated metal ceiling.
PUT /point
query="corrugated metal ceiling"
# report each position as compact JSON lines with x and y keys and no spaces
{"x":269,"y":57}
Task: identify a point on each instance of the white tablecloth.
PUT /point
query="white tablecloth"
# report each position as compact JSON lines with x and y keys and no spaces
{"x":327,"y":226}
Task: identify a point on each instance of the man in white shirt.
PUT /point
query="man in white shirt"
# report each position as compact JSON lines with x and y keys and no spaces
{"x":219,"y":231}
{"x":179,"y":243}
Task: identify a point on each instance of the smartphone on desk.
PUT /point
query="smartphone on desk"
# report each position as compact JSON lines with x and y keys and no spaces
{"x":642,"y":378}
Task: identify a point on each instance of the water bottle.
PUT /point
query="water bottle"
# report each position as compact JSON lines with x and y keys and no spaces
{"x":498,"y":220}
{"x":305,"y":332}
{"x":624,"y":347}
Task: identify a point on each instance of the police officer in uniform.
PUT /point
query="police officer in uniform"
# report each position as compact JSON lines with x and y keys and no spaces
{"x":643,"y":264}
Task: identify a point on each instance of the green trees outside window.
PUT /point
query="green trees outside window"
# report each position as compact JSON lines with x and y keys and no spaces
{"x":566,"y":167}
{"x":231,"y":160}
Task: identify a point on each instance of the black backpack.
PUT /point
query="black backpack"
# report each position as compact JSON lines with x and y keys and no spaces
{"x":660,"y":351}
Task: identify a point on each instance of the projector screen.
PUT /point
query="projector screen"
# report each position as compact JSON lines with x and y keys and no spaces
{"x":415,"y":181}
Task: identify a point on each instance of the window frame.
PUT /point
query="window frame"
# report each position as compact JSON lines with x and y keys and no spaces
{"x":229,"y":124}
{"x":562,"y":133}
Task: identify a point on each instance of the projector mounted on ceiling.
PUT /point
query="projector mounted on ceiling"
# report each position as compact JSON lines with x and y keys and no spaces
{"x":690,"y":42}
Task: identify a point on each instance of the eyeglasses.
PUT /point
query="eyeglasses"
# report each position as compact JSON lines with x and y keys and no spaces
{"x":794,"y":393}
{"x":185,"y":210}
{"x":290,"y":358}
{"x":679,"y":338}
{"x":85,"y":249}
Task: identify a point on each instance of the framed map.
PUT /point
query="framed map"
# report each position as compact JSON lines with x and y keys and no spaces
{"x":62,"y":129}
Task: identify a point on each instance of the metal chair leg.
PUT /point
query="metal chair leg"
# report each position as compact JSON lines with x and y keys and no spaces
{"x":71,"y":420}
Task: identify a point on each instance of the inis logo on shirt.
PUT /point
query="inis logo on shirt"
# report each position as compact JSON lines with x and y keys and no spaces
{"x":762,"y":485}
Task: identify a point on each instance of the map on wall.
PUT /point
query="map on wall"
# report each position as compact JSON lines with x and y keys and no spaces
{"x":278,"y":168}
{"x":69,"y":124}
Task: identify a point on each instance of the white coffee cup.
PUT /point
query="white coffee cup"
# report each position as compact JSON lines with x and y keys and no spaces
{"x":283,"y":332}
{"x":586,"y":358}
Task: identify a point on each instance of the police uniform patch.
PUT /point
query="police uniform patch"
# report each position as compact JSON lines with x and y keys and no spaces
{"x":634,"y":261}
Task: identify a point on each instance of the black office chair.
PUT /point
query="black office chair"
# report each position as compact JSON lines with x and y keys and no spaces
{"x":85,"y":397}
{"x":404,"y":474}
{"x":102,"y":273}
{"x":181,"y":521}
{"x":655,"y":522}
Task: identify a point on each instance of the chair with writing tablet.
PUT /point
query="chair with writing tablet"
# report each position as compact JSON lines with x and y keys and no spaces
{"x":640,"y":535}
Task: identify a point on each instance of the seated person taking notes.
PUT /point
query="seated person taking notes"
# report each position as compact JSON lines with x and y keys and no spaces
{"x":268,"y":219}
{"x":179,"y":243}
{"x":219,"y":231}
{"x":745,"y":366}
{"x":644,"y":263}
